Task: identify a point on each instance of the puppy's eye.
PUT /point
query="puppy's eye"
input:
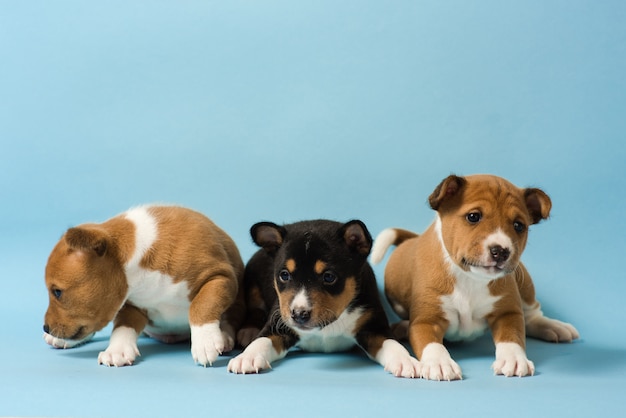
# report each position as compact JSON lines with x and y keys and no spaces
{"x":57,"y":293}
{"x":473,"y":217}
{"x":329,"y":277}
{"x":519,"y":227}
{"x":284,"y":275}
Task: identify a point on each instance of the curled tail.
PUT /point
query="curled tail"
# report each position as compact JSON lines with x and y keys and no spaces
{"x":387,"y":238}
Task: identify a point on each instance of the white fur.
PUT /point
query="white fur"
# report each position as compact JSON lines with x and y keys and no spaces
{"x":511,"y":361}
{"x":207,"y":342}
{"x":61,"y":343}
{"x":382,"y":242}
{"x":498,"y":238}
{"x":436,"y":364}
{"x":166,"y":302}
{"x":256,"y":357}
{"x":466,"y":308}
{"x":122,"y":349}
{"x":397,"y":360}
{"x":300,"y":302}
{"x":145,"y":232}
{"x":470,"y":301}
{"x":337,"y":336}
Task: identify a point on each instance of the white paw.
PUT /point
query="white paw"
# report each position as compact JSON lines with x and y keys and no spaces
{"x":438,"y":365}
{"x":122,"y":349}
{"x":61,"y":343}
{"x":256,"y":357}
{"x":397,"y":360}
{"x":207,"y":343}
{"x":511,"y":361}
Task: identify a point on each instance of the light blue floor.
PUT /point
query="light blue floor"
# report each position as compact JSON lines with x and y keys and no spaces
{"x":284,"y":111}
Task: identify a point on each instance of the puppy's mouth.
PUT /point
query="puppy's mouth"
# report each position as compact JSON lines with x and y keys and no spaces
{"x":491,"y":269}
{"x":78,"y":335}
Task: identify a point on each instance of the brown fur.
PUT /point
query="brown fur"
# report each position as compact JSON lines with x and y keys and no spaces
{"x":417,"y":276}
{"x":88,"y":265}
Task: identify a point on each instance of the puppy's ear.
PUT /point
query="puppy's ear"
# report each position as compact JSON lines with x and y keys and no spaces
{"x":85,"y":238}
{"x":449,"y":187}
{"x":268,"y":235}
{"x":357,"y":237}
{"x":538,"y":204}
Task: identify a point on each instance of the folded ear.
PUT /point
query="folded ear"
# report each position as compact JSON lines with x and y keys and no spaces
{"x":86,"y":238}
{"x":268,"y":235}
{"x":538,"y":204}
{"x":448,"y":188}
{"x":357,"y":237}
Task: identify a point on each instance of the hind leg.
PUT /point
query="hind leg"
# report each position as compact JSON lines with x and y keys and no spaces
{"x":548,"y":329}
{"x":538,"y":325}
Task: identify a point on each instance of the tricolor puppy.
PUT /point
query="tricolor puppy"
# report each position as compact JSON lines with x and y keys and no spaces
{"x":464,"y":275}
{"x":312,"y":283}
{"x":164,"y":270}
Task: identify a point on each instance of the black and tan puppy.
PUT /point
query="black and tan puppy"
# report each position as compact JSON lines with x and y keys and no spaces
{"x":311,"y":286}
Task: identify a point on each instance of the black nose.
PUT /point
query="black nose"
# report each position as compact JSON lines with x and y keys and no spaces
{"x":46,"y":329}
{"x":300,"y":316}
{"x":499,"y":253}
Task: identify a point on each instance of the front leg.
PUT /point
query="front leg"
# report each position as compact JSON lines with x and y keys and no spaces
{"x":267,"y":348}
{"x":122,"y":349}
{"x":392,"y":355}
{"x":208,"y":340}
{"x":509,"y":338}
{"x":426,"y":338}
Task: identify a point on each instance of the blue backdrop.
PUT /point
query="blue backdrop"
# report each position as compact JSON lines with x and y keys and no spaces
{"x":283,"y":111}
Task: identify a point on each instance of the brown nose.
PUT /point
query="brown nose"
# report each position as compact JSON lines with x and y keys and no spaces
{"x":499,"y":253}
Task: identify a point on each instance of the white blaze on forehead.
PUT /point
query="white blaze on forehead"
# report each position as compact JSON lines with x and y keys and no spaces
{"x":300,"y":301}
{"x":145,"y":232}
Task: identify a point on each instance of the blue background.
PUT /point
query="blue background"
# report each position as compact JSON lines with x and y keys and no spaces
{"x":283,"y":111}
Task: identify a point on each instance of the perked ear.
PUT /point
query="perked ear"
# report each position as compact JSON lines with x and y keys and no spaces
{"x":357,"y":237}
{"x":268,"y":235}
{"x":87,"y":239}
{"x":449,"y":187}
{"x":538,"y":204}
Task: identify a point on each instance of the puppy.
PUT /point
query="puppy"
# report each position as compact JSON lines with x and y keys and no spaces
{"x":312,"y":283}
{"x":464,"y":275}
{"x":164,"y":270}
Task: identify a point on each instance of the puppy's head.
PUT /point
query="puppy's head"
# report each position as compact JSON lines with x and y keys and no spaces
{"x":86,"y":283}
{"x":317,"y":268}
{"x":483,"y":222}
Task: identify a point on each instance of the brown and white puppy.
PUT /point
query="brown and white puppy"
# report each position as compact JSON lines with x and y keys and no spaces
{"x":165,"y":270}
{"x":464,"y":275}
{"x":311,"y":285}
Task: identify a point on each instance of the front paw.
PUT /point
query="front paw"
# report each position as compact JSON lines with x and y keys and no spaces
{"x":256,"y":357}
{"x":207,"y":343}
{"x":397,"y":360}
{"x":511,"y":361}
{"x":61,"y":343}
{"x":122,"y":349}
{"x":248,"y":363}
{"x":438,"y":365}
{"x":118,"y":356}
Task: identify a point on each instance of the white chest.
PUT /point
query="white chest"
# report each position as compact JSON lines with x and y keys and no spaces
{"x":338,"y":336}
{"x":466,"y":308}
{"x":166,"y":302}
